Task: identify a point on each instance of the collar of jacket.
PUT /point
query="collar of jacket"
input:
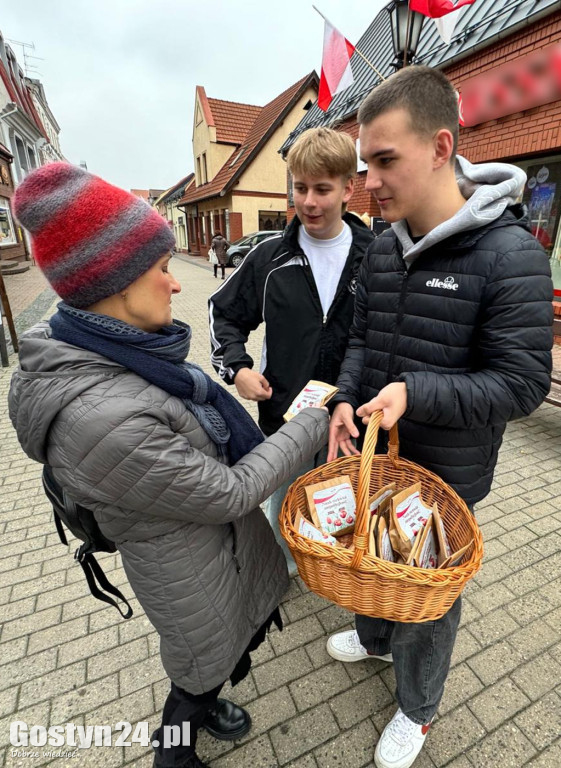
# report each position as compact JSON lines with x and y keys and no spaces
{"x":513,"y":215}
{"x":362,"y":235}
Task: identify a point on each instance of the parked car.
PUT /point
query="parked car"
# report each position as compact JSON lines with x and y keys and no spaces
{"x":238,"y":250}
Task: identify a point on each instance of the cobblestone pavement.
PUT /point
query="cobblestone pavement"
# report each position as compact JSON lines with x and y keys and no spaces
{"x":67,"y":659}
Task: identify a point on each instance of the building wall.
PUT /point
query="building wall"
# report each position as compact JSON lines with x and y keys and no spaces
{"x":267,"y":173}
{"x":522,"y":134}
{"x":249,"y":208}
{"x":204,"y":141}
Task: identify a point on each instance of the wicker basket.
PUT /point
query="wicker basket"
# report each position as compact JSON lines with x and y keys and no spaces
{"x":365,"y":584}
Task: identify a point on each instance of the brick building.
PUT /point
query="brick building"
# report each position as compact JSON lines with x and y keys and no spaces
{"x":489,"y":40}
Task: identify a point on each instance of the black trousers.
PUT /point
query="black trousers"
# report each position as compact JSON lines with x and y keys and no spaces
{"x":222,"y":267}
{"x":181,"y":707}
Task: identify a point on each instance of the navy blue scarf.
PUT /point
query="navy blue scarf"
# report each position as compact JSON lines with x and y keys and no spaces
{"x":160,"y":359}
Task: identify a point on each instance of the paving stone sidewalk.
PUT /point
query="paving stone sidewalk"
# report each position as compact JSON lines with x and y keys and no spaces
{"x":65,"y":658}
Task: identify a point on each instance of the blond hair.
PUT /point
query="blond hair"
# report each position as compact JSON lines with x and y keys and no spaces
{"x":323,"y":151}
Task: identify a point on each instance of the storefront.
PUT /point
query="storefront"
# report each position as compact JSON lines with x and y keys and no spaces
{"x":542,"y":197}
{"x":12,"y":247}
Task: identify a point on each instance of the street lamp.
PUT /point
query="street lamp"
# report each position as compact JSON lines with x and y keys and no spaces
{"x":406,"y":29}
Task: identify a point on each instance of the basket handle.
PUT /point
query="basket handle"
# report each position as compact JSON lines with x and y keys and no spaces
{"x":360,"y":539}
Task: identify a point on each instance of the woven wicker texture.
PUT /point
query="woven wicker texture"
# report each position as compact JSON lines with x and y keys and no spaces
{"x":365,"y":584}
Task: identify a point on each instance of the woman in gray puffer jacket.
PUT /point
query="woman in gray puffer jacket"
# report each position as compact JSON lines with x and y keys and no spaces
{"x":169,"y":462}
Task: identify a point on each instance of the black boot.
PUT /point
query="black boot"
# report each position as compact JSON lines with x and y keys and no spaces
{"x":226,"y":721}
{"x":191,"y":762}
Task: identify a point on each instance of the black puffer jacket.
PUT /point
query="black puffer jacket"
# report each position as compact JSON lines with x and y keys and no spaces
{"x":275,"y":284}
{"x":468,"y":329}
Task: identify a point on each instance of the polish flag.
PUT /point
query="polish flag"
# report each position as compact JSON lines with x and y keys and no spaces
{"x":445,"y":14}
{"x":336,"y":72}
{"x":435,"y":9}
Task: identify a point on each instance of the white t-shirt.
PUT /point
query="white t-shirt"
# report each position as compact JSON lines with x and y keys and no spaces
{"x":327,"y":259}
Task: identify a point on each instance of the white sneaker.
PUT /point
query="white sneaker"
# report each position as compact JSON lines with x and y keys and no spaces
{"x":400,"y":743}
{"x":345,"y":646}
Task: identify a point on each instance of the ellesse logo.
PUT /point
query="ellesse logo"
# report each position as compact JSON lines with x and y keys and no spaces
{"x":448,"y":283}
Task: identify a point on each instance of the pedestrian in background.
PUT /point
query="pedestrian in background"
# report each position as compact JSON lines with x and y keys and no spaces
{"x":301,"y":284}
{"x":220,"y":246}
{"x":452,"y":331}
{"x":171,"y":465}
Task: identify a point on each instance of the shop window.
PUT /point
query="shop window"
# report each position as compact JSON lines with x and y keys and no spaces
{"x":542,"y":197}
{"x":272,"y":220}
{"x":7,"y":232}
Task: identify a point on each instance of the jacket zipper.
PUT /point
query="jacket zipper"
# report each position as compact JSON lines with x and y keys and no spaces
{"x":400,"y":312}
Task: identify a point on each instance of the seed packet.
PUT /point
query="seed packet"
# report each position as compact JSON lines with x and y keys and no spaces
{"x":315,"y":393}
{"x":444,"y":549}
{"x":408,"y":514}
{"x":332,"y":505}
{"x":383,"y":543}
{"x":381,"y":498}
{"x":425,"y":550}
{"x":456,"y":558}
{"x":378,"y":506}
{"x":305,"y":528}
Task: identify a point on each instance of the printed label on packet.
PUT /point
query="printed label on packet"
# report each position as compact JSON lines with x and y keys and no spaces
{"x":427,"y":556}
{"x":314,"y":394}
{"x":305,"y":528}
{"x":412,"y":515}
{"x":385,"y":545}
{"x":332,"y":505}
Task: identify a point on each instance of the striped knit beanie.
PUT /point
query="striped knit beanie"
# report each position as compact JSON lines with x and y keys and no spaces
{"x":90,"y":239}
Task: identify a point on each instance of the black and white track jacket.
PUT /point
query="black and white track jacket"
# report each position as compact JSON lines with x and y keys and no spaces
{"x":275,"y":285}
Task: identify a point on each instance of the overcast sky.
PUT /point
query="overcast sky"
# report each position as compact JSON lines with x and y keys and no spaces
{"x":120,"y":75}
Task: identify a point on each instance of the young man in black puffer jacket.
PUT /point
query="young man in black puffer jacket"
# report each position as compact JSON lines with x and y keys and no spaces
{"x":451,"y":334}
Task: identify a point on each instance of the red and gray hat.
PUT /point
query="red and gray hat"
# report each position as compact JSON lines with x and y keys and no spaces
{"x":90,"y":239}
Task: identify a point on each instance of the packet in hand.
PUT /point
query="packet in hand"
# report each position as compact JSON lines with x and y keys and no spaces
{"x":314,"y":394}
{"x":305,"y":528}
{"x":332,"y":505}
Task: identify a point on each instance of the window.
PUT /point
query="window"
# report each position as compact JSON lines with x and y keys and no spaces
{"x":272,"y":220}
{"x":200,"y":181}
{"x":7,"y":232}
{"x":542,"y":197}
{"x":22,"y":156}
{"x":205,"y":170}
{"x":32,"y":160}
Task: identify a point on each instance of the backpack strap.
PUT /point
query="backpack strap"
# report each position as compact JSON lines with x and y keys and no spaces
{"x":92,"y":571}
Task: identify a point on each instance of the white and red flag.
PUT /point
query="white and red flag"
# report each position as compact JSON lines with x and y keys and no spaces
{"x":445,"y":13}
{"x":336,"y":72}
{"x":435,"y":9}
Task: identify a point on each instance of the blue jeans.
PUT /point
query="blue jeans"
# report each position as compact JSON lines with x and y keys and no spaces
{"x":421,"y":657}
{"x":272,"y":506}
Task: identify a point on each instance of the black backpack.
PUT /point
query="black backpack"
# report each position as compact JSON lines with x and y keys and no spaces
{"x":82,"y":524}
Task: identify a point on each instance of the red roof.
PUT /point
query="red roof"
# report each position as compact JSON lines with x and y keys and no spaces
{"x":143,"y":193}
{"x":248,"y":127}
{"x":19,"y":92}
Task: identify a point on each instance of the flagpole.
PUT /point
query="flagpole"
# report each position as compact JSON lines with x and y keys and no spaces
{"x":362,"y":56}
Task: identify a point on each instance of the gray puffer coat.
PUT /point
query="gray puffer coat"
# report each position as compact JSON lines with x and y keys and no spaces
{"x":198,"y":552}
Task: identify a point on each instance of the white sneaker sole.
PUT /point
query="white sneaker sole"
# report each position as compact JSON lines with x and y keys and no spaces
{"x":349,"y":658}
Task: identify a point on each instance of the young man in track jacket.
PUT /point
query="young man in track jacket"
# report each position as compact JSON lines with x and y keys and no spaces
{"x":301,"y":284}
{"x":451,"y":334}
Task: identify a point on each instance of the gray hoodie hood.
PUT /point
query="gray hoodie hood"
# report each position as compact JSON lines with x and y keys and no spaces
{"x":51,"y":374}
{"x":489,"y":188}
